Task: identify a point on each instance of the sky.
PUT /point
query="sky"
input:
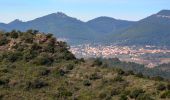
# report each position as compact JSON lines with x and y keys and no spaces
{"x":84,"y":10}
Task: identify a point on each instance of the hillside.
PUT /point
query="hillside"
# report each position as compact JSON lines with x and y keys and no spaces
{"x":153,"y":30}
{"x":36,"y":66}
{"x":107,"y":25}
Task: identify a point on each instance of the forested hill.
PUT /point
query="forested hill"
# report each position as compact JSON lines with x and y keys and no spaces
{"x":36,"y":66}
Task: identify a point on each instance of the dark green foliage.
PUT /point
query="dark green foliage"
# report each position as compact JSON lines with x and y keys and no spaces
{"x":139,"y":75}
{"x":43,"y":60}
{"x":49,"y":35}
{"x":115,"y":91}
{"x":14,"y":34}
{"x":12,"y":56}
{"x":168,"y":86}
{"x":36,"y":84}
{"x":120,"y":72}
{"x":161,"y":87}
{"x":144,"y":97}
{"x":60,"y":72}
{"x":123,"y":97}
{"x":158,"y":78}
{"x":103,"y":95}
{"x":63,"y":93}
{"x":94,"y":76}
{"x":165,"y":94}
{"x":97,"y":62}
{"x":118,"y":79}
{"x":27,"y":37}
{"x":69,"y":66}
{"x":3,"y":40}
{"x":86,"y":83}
{"x":136,"y":93}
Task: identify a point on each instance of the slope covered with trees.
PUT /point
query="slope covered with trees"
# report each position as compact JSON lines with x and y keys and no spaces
{"x":36,"y":66}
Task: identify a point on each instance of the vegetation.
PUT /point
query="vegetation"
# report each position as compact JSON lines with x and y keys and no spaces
{"x":36,"y":66}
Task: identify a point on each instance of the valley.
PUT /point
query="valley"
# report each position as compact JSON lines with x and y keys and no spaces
{"x":150,"y":56}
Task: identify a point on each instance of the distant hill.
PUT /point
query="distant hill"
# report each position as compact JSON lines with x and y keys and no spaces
{"x":153,"y":30}
{"x":106,"y":25}
{"x":57,"y":23}
{"x":67,"y":27}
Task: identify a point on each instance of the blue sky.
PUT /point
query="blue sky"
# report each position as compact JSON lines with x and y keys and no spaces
{"x":82,"y":9}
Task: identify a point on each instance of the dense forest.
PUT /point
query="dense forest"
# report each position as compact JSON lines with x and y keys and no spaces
{"x":162,"y":71}
{"x":36,"y":66}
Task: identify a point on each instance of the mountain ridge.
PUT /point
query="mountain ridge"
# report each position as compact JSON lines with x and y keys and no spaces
{"x":101,"y":29}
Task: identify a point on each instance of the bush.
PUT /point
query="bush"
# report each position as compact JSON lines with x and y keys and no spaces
{"x":120,"y":71}
{"x":97,"y":62}
{"x":70,"y":67}
{"x":14,"y":34}
{"x":144,"y":97}
{"x":13,"y":56}
{"x":102,"y":95}
{"x":136,"y":93}
{"x":43,"y":60}
{"x":165,"y":94}
{"x":3,"y":40}
{"x":140,"y":75}
{"x":123,"y":97}
{"x":49,"y":35}
{"x":118,"y":79}
{"x":59,"y":72}
{"x":63,"y":93}
{"x":35,"y":84}
{"x":86,"y":83}
{"x":115,"y":91}
{"x":161,"y":87}
{"x":168,"y":86}
{"x":130,"y":72}
{"x":158,"y":78}
{"x":94,"y":76}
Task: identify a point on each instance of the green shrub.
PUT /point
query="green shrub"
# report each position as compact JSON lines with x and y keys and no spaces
{"x":43,"y":60}
{"x":168,"y":86}
{"x":130,"y":72}
{"x":158,"y":78}
{"x":118,"y":79}
{"x":144,"y":97}
{"x":102,"y":95}
{"x":161,"y":87}
{"x":136,"y":93}
{"x":13,"y":56}
{"x":123,"y":97}
{"x":165,"y":94}
{"x":36,"y":84}
{"x":14,"y":34}
{"x":3,"y":40}
{"x":59,"y":72}
{"x":86,"y":83}
{"x":69,"y":66}
{"x":115,"y":91}
{"x":49,"y":35}
{"x":94,"y":76}
{"x":63,"y":93}
{"x":97,"y":62}
{"x":140,"y":75}
{"x":120,"y":71}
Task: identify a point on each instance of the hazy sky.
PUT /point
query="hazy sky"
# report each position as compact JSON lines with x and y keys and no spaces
{"x":82,"y":9}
